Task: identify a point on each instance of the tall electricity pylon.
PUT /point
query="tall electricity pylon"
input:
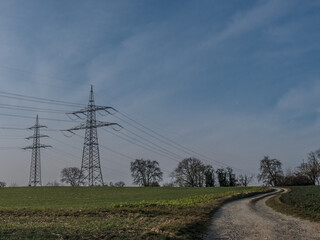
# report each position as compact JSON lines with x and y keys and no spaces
{"x":91,"y":174}
{"x":35,"y":168}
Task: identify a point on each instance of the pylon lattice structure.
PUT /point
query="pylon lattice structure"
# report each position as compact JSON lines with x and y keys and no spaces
{"x":91,"y":174}
{"x":35,"y":168}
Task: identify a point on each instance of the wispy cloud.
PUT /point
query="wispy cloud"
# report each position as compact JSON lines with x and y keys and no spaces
{"x":265,"y":13}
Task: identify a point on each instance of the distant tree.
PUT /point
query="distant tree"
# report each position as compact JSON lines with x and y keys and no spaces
{"x":145,"y":172}
{"x":3,"y":184}
{"x":311,"y":169}
{"x":14,"y":184}
{"x":55,"y":183}
{"x":295,"y":179}
{"x":155,"y":184}
{"x":222,"y":175}
{"x":119,"y":184}
{"x":209,"y":176}
{"x":244,"y":180}
{"x":231,"y":177}
{"x":270,"y":171}
{"x":71,"y":175}
{"x":111,"y":184}
{"x":170,"y":184}
{"x":190,"y":172}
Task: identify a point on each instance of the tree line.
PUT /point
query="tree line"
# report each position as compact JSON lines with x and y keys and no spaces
{"x":192,"y":172}
{"x":307,"y":173}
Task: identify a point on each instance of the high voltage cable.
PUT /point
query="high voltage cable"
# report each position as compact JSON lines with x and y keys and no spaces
{"x":158,"y":136}
{"x":37,"y":101}
{"x":78,"y":148}
{"x":109,"y":149}
{"x":9,"y":148}
{"x":77,"y":158}
{"x":149,"y":141}
{"x":67,"y":144}
{"x":165,"y":142}
{"x":70,"y":161}
{"x":29,"y":117}
{"x":32,"y":109}
{"x":44,"y":100}
{"x":158,"y":148}
{"x":144,"y":147}
{"x":186,"y":150}
{"x":19,"y":128}
{"x":179,"y":146}
{"x":13,"y":128}
{"x":116,"y":152}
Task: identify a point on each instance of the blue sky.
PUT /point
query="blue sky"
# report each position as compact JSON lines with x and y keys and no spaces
{"x":235,"y":80}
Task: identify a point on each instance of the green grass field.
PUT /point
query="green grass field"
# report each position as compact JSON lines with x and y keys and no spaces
{"x":302,"y":201}
{"x":110,"y":213}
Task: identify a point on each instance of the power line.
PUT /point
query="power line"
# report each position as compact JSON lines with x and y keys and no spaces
{"x":116,"y":152}
{"x":67,"y":144}
{"x":32,"y":109}
{"x":152,"y":143}
{"x":38,"y":99}
{"x":75,"y":158}
{"x":161,"y":140}
{"x":29,"y":117}
{"x":144,"y":147}
{"x":172,"y":143}
{"x":9,"y":148}
{"x":142,"y":128}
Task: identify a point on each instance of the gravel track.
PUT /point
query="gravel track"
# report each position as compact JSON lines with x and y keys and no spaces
{"x":247,"y":219}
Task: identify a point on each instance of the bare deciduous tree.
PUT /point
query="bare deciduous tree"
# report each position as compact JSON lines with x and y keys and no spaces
{"x":146,"y":172}
{"x":119,"y":184}
{"x":209,"y":176}
{"x":231,"y":177}
{"x":191,"y":172}
{"x":170,"y":184}
{"x":311,"y":169}
{"x":55,"y":183}
{"x":71,"y":175}
{"x":3,"y":184}
{"x":222,"y":177}
{"x":244,"y":180}
{"x":270,"y":171}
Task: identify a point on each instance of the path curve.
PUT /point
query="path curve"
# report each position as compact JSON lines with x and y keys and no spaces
{"x":247,"y":219}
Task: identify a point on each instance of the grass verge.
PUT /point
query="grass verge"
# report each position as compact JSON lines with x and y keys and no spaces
{"x":302,"y":201}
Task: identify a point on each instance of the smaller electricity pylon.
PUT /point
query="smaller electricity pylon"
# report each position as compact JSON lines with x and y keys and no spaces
{"x":35,"y":168}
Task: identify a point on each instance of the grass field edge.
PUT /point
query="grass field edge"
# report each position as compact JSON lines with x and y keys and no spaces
{"x":276,"y":204}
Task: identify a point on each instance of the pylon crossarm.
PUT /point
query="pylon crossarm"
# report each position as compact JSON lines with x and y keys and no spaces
{"x":73,"y":119}
{"x":92,"y":109}
{"x":35,"y":147}
{"x":81,"y":126}
{"x":106,"y":109}
{"x":84,"y":126}
{"x":120,"y":127}
{"x":104,"y":124}
{"x":37,"y":126}
{"x":39,"y":136}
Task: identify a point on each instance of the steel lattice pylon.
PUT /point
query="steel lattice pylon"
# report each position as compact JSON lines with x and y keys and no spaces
{"x":91,"y":174}
{"x":35,"y":167}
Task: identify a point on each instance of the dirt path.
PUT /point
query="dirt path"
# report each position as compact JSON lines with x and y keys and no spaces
{"x":244,"y":220}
